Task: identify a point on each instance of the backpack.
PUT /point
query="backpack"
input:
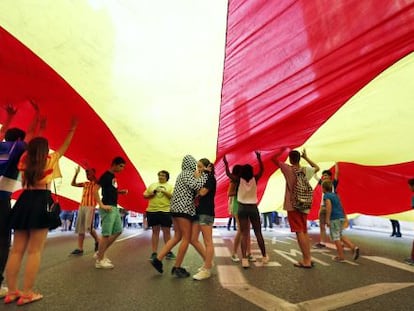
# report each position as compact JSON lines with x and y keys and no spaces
{"x":302,"y":191}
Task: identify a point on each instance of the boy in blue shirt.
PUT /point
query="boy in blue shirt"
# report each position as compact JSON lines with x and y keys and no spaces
{"x":335,"y":219}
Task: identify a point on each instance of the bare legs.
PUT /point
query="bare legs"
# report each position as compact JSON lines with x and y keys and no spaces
{"x":171,"y":242}
{"x":81,"y":238}
{"x":237,"y":238}
{"x":105,"y":243}
{"x":257,"y":228}
{"x":155,"y":237}
{"x":206,"y":251}
{"x":32,"y":242}
{"x":200,"y":248}
{"x":340,"y":248}
{"x":185,"y":226}
{"x":304,"y":245}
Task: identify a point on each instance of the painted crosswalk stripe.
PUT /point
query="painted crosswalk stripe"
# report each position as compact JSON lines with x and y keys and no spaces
{"x":352,"y":296}
{"x":231,"y":278}
{"x":391,"y":263}
{"x":221,"y":251}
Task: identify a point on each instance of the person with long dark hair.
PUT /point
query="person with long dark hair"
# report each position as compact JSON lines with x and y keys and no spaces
{"x":29,"y":217}
{"x":248,"y":212}
{"x":205,"y":220}
{"x":234,"y":177}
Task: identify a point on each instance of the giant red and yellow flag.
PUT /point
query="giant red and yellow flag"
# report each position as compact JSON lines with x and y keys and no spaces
{"x":153,"y":82}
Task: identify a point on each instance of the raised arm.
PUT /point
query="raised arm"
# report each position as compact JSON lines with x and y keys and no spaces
{"x":65,"y":145}
{"x":336,"y":171}
{"x":226,"y":165}
{"x":261,"y":166}
{"x":311,"y":163}
{"x":33,"y":126}
{"x":11,"y":111}
{"x":74,"y":183}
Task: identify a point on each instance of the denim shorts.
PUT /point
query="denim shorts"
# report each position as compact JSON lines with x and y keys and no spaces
{"x":335,"y":230}
{"x":205,"y":220}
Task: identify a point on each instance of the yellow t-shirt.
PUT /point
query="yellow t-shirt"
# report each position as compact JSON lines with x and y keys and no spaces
{"x":160,"y":202}
{"x":51,"y":171}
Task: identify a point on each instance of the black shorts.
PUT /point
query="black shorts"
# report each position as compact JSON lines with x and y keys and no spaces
{"x":184,"y":215}
{"x":162,"y":219}
{"x":30,"y":210}
{"x":248,"y":211}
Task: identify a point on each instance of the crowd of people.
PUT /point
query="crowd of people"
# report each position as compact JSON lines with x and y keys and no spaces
{"x":26,"y":156}
{"x":188,"y":206}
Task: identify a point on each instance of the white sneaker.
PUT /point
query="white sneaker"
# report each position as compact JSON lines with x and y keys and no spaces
{"x":202,"y":267}
{"x":95,"y":256}
{"x":3,"y":291}
{"x":235,"y":258}
{"x":103,"y":264}
{"x":265,"y":260}
{"x":202,"y":275}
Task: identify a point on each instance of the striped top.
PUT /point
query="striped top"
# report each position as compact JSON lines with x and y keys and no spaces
{"x":88,"y":194}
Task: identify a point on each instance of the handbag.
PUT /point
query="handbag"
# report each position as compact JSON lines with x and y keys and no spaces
{"x":53,"y":211}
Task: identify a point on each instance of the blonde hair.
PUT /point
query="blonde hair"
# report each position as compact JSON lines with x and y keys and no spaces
{"x":327,"y":185}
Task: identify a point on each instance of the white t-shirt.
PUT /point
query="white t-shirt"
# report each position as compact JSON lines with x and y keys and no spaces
{"x":247,"y":192}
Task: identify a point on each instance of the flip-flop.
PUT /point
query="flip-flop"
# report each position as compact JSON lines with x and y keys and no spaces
{"x":25,"y":299}
{"x":301,"y":265}
{"x":11,"y":297}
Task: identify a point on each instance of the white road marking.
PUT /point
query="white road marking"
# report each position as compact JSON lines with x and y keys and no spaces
{"x":216,"y":232}
{"x":392,"y":263}
{"x":221,"y":252}
{"x":291,"y":238}
{"x":353,"y":263}
{"x":218,"y":241}
{"x":231,"y":278}
{"x":129,"y":237}
{"x":293,"y":253}
{"x":352,"y":296}
{"x":281,"y":231}
{"x":275,"y":241}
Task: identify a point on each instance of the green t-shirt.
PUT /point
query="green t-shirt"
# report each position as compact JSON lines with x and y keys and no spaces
{"x":160,"y":202}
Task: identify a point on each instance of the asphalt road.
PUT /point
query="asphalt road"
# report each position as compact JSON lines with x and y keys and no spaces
{"x":379,"y":280}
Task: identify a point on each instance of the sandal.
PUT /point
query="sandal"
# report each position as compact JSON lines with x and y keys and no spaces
{"x":338,"y":259}
{"x":25,"y":299}
{"x":301,"y":265}
{"x":11,"y":297}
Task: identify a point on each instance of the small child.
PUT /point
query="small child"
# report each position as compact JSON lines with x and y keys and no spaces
{"x":410,"y":260}
{"x":335,"y":219}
